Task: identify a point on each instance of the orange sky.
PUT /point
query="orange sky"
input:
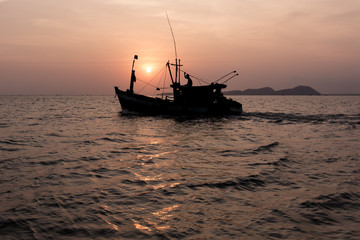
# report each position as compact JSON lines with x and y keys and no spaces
{"x":87,"y":46}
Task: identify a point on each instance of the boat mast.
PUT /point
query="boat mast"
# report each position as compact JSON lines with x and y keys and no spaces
{"x":133,"y":78}
{"x":179,"y":71}
{"x":177,"y":63}
{"x":172,"y":33}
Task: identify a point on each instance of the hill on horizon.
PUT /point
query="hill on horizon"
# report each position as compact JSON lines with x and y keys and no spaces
{"x":299,"y":90}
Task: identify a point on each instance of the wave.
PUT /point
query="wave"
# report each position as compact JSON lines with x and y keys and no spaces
{"x":21,"y":227}
{"x":4,"y":125}
{"x":10,"y":145}
{"x":250,"y":183}
{"x":345,"y":200}
{"x":266,"y":147}
{"x":242,"y":153}
{"x":13,"y":142}
{"x":275,"y":216}
{"x":295,"y":118}
{"x":116,"y":140}
{"x":51,"y":162}
{"x":54,"y":135}
{"x":136,"y":182}
{"x":281,"y":162}
{"x":11,"y":149}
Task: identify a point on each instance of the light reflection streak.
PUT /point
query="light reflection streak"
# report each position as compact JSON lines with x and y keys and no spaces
{"x":151,"y":225}
{"x":147,"y":178}
{"x":155,"y":178}
{"x":114,"y":226}
{"x":105,"y":207}
{"x":156,"y":226}
{"x":164,"y":213}
{"x":145,"y":157}
{"x":159,"y":186}
{"x":157,"y":221}
{"x":137,"y":225}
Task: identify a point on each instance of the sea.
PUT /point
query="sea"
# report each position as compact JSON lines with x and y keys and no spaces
{"x":77,"y":167}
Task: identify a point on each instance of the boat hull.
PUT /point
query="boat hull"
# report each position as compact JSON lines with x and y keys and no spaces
{"x":154,"y":106}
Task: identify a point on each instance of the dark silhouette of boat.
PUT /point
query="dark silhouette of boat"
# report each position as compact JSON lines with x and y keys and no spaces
{"x":186,"y":100}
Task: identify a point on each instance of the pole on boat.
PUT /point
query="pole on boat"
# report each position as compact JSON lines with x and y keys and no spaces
{"x":231,"y":78}
{"x":177,"y":64}
{"x":168,"y":65}
{"x":133,"y":77}
{"x":176,"y":80}
{"x":176,"y":71}
{"x":172,"y":33}
{"x":226,"y":76}
{"x":179,"y":72}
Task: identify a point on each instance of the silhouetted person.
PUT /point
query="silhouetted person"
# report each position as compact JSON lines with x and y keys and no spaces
{"x":189,"y":83}
{"x":133,"y":79}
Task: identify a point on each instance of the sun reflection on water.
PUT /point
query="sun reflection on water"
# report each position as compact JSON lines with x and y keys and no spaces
{"x":164,"y":185}
{"x":139,"y":226}
{"x":147,"y":157}
{"x":158,"y":223}
{"x":114,"y":226}
{"x":165,"y":212}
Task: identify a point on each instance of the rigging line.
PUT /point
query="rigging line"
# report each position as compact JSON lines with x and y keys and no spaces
{"x":163,"y":91}
{"x":148,"y":83}
{"x":154,"y":94}
{"x":172,"y":33}
{"x":159,"y":82}
{"x":200,"y":80}
{"x":162,"y":80}
{"x":162,"y":77}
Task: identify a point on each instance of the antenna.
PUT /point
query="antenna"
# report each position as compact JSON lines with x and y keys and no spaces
{"x":172,"y":33}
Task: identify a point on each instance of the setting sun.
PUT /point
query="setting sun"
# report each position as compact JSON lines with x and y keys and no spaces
{"x":148,"y":69}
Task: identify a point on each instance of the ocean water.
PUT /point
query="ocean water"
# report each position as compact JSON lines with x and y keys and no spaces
{"x":78,"y":168}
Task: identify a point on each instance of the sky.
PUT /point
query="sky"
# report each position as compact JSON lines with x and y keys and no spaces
{"x":85,"y":47}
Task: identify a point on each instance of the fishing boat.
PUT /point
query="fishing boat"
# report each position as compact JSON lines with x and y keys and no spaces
{"x":185,"y":100}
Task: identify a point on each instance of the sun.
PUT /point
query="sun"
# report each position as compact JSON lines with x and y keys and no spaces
{"x":148,"y":69}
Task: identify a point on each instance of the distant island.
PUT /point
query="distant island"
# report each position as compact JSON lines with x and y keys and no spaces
{"x":299,"y":90}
